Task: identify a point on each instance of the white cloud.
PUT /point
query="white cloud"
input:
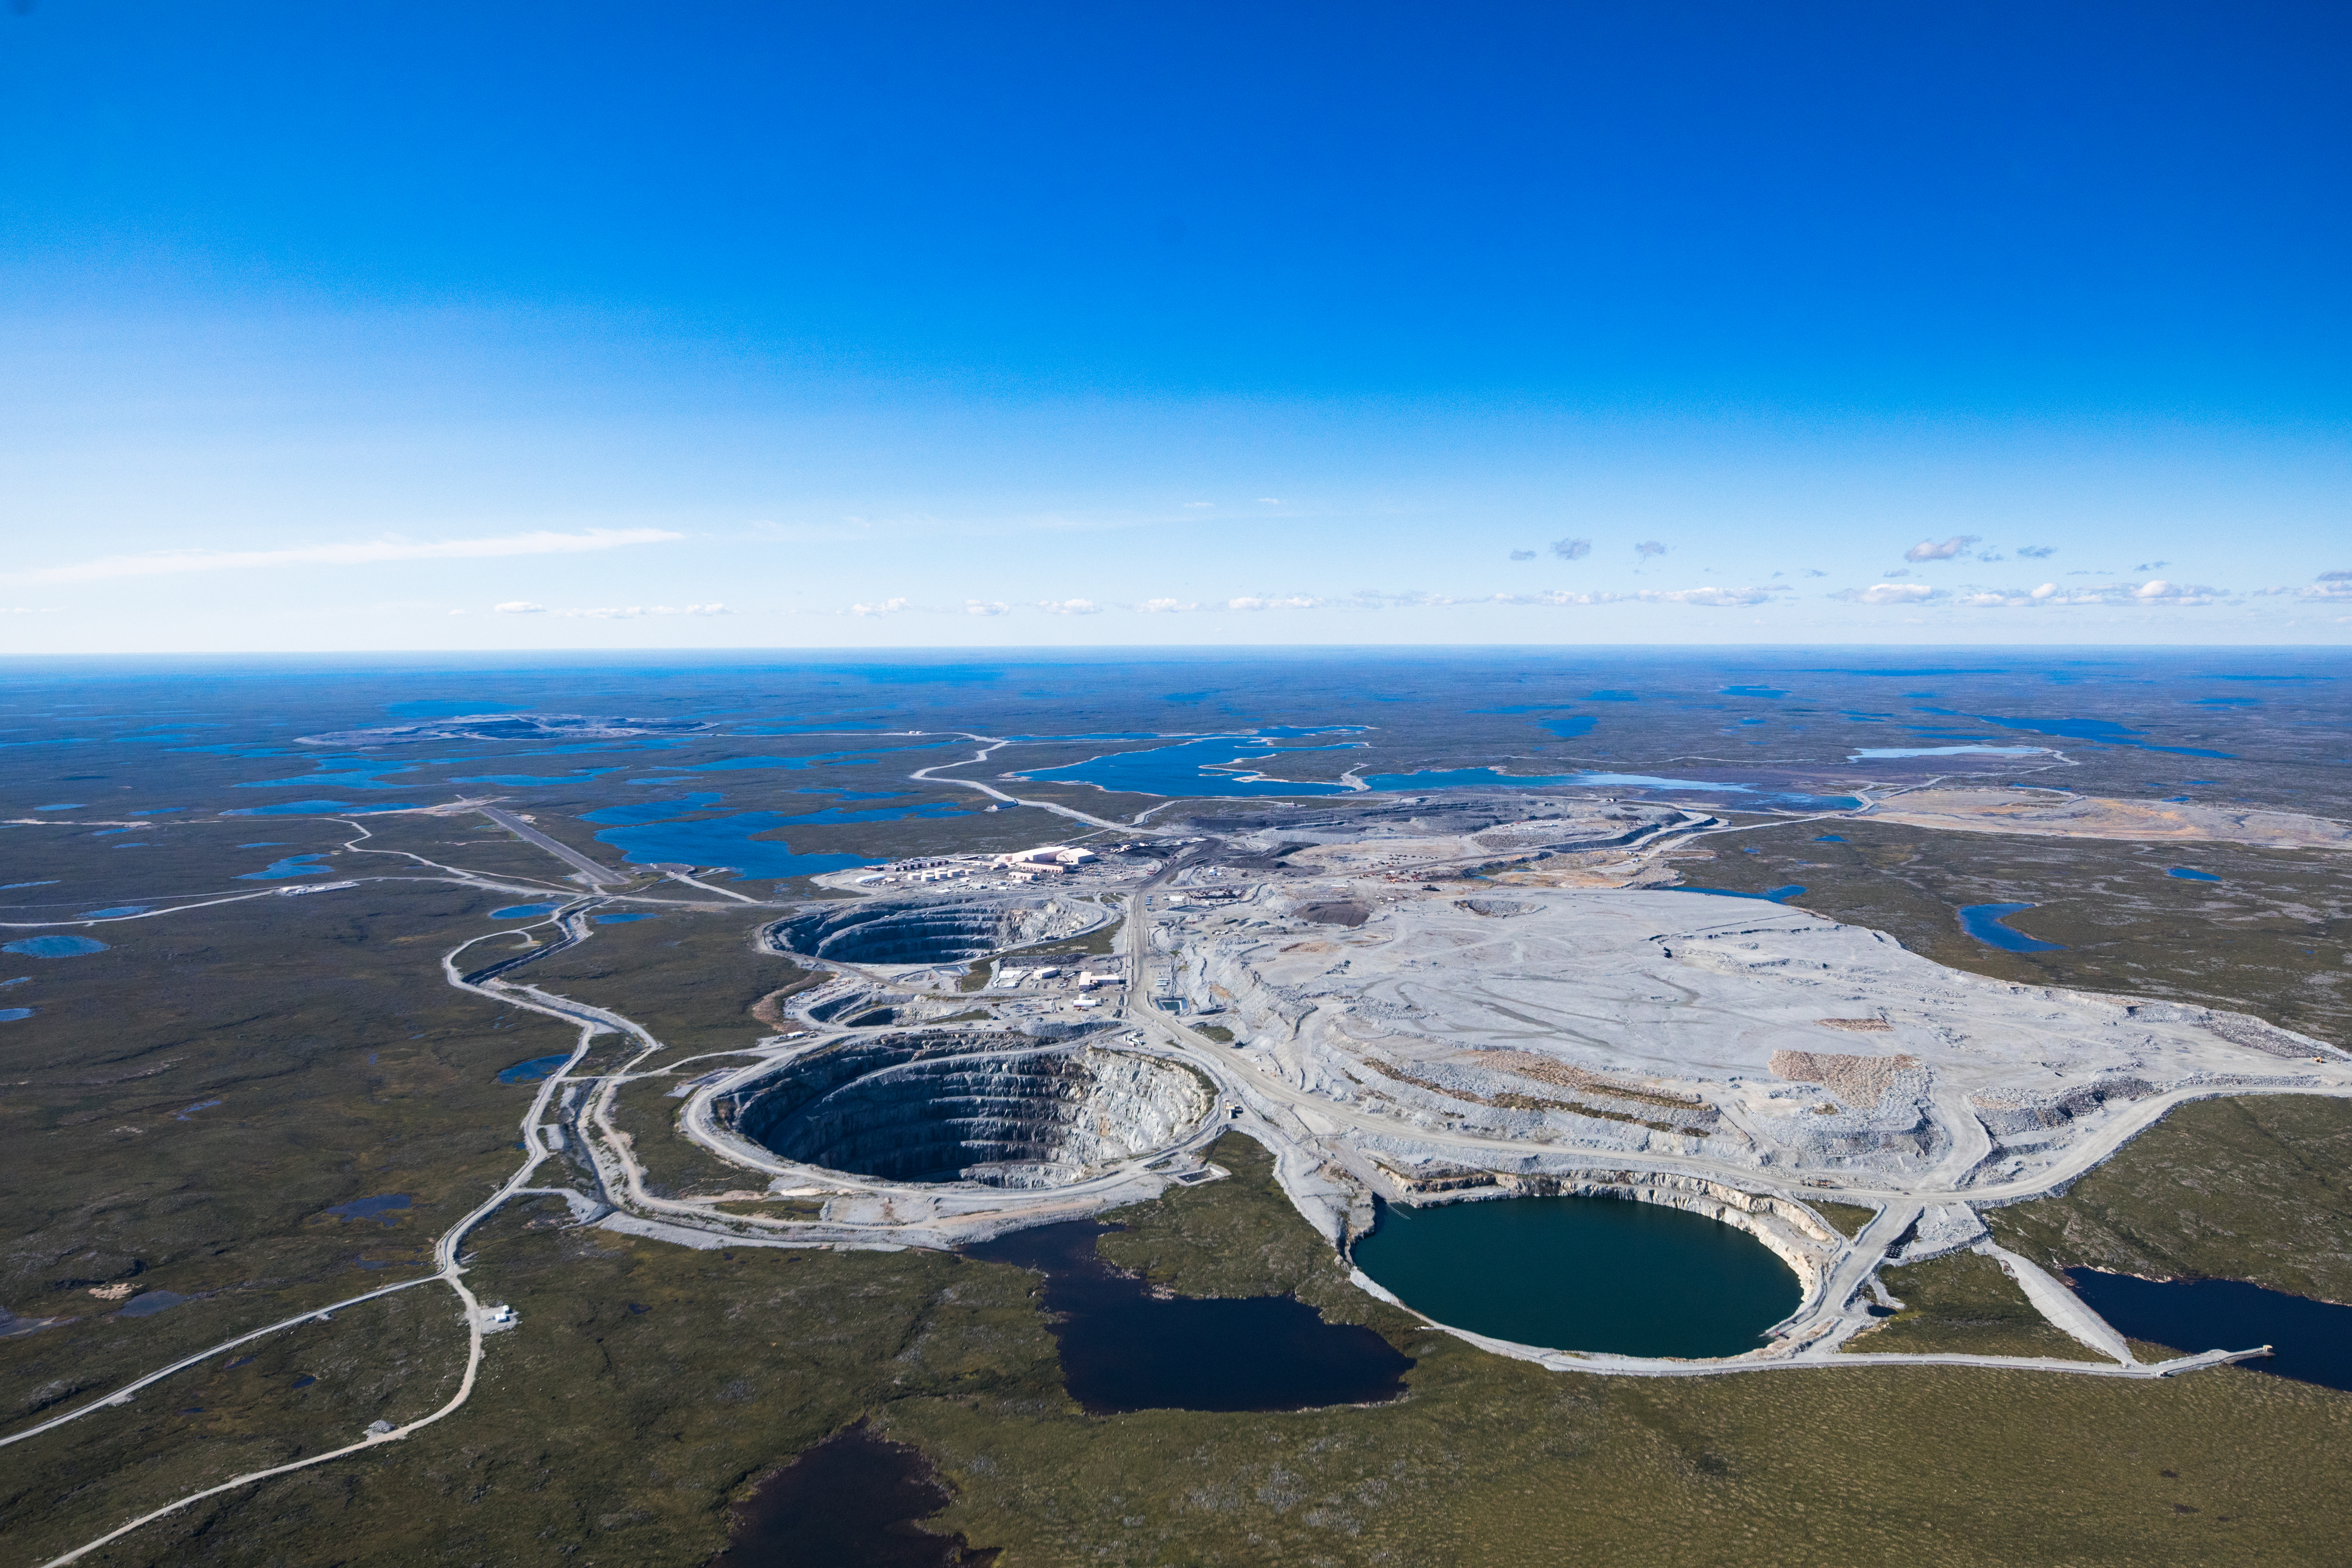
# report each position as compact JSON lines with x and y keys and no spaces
{"x":2332,"y":586}
{"x":887,"y":607}
{"x":1577,"y":549}
{"x":1523,"y":555}
{"x":165,"y":562}
{"x":2046,"y":590}
{"x":986,"y":607}
{"x":1285,"y":602}
{"x":2037,"y":552}
{"x":1929,"y":549}
{"x":1165,"y":606}
{"x":1648,"y":548}
{"x":2160,"y":592}
{"x":1069,"y":606}
{"x":605,"y":612}
{"x":1269,"y":500}
{"x":1559,"y":598}
{"x":1197,"y":505}
{"x":1719,"y":598}
{"x":1886,"y":594}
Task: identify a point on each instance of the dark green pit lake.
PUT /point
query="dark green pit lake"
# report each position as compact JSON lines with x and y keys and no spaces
{"x":1583,"y":1274}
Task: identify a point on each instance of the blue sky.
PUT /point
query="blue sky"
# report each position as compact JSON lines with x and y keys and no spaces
{"x":343,"y":326}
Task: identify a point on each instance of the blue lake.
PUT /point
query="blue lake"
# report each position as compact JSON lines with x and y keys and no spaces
{"x":1568,"y":729}
{"x":1583,"y":1274}
{"x":644,"y":812}
{"x":2189,"y":874}
{"x":292,"y":865}
{"x":354,"y":778}
{"x":1494,"y":778}
{"x":727,"y":841}
{"x":441,"y":707}
{"x":1830,"y":838}
{"x":1868,"y":753}
{"x":2311,"y":1339}
{"x":525,"y":780}
{"x":533,"y":1070}
{"x":53,"y":946}
{"x":117,"y":913}
{"x":152,"y":1302}
{"x":1218,"y":765}
{"x":61,"y":806}
{"x":2104,"y":732}
{"x":1983,"y":921}
{"x":319,"y":808}
{"x":524,"y":911}
{"x":10,"y":1015}
{"x":619,"y":920}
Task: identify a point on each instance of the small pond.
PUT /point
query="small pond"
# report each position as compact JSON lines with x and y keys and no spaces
{"x":1124,"y":1348}
{"x":2313,"y":1340}
{"x":2190,"y":874}
{"x":1583,"y":1274}
{"x":852,"y":1502}
{"x":533,"y":1070}
{"x":524,"y":911}
{"x":54,"y":946}
{"x":1983,"y":921}
{"x":384,"y":1209}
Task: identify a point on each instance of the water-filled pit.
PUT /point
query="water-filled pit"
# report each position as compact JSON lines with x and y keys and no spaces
{"x":971,"y":1106}
{"x":1599,"y":1274}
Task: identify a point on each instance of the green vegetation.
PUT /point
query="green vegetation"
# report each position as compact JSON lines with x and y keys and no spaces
{"x":1217,"y":1032}
{"x":1846,"y":1219}
{"x":2251,"y":1188}
{"x":690,"y":978}
{"x":648,"y":1386}
{"x":281,"y":1057}
{"x":1967,"y":1304}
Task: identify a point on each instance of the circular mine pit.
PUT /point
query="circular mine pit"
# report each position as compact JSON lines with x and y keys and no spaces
{"x":994,"y":1109}
{"x":932,"y":932}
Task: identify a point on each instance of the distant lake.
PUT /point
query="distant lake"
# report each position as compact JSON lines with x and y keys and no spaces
{"x":533,"y":1070}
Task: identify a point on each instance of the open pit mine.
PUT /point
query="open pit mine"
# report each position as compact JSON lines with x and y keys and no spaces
{"x":981,"y":1059}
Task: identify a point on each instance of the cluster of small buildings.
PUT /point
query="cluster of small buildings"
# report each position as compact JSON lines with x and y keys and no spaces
{"x":1045,"y":860}
{"x":1084,"y":979}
